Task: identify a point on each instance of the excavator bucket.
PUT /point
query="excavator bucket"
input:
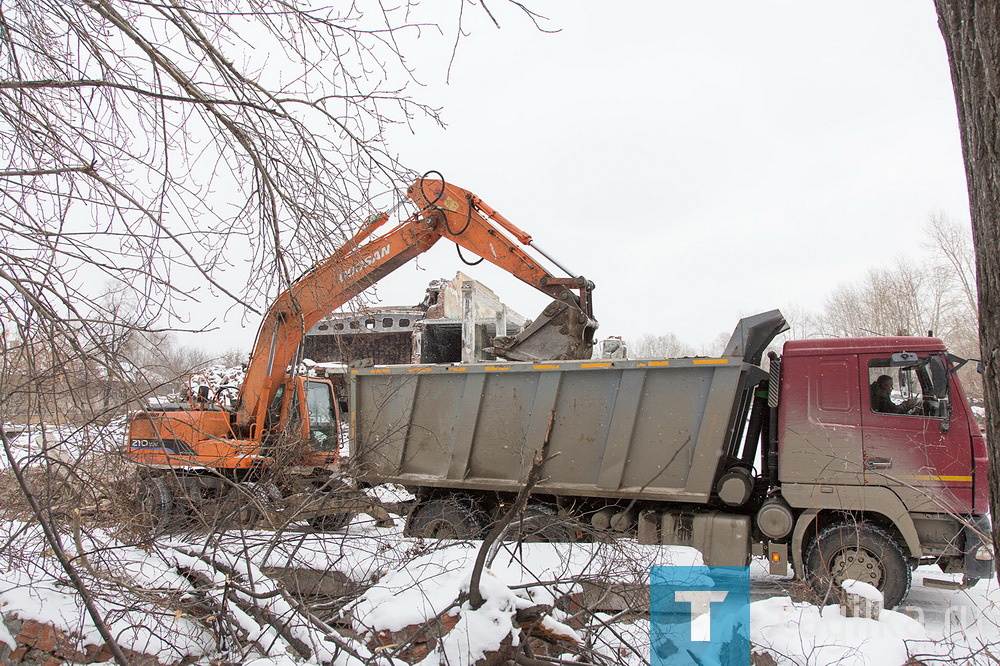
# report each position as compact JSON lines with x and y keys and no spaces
{"x":562,"y":332}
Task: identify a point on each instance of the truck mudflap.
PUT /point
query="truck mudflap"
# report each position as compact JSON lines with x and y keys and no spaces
{"x":978,"y":548}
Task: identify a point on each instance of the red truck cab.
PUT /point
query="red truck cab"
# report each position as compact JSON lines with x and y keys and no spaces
{"x":880,"y":428}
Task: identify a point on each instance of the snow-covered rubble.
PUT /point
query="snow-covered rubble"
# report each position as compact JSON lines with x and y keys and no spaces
{"x":416,"y":581}
{"x":32,"y":586}
{"x":390,"y":493}
{"x":217,"y":382}
{"x":430,"y":583}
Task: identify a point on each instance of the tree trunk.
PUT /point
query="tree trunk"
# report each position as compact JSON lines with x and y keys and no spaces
{"x":972,"y":37}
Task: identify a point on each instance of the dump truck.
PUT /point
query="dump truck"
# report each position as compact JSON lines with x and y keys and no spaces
{"x":802,"y":461}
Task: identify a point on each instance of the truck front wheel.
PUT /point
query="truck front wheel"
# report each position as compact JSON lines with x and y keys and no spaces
{"x":858,"y":551}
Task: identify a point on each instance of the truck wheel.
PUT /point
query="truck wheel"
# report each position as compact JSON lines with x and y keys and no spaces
{"x":859,"y":551}
{"x":155,"y":504}
{"x":540,"y":524}
{"x":445,"y":519}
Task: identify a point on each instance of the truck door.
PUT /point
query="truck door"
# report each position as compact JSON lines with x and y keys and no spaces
{"x":820,"y":420}
{"x":911,"y":442}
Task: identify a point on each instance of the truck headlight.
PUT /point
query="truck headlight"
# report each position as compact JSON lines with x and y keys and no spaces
{"x":984,"y":553}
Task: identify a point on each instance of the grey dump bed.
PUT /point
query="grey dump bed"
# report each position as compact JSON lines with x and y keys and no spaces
{"x":658,"y":429}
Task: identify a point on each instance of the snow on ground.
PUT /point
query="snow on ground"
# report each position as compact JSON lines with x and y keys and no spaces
{"x":942,"y":626}
{"x":416,"y":581}
{"x":799,"y":632}
{"x":937,"y":626}
{"x":34,"y":587}
{"x":411,"y":580}
{"x":145,"y":593}
{"x":429,"y":583}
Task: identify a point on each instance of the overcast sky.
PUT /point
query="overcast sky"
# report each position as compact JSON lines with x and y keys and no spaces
{"x":697,"y":161}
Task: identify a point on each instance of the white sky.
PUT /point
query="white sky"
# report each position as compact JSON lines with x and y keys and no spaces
{"x":697,"y":161}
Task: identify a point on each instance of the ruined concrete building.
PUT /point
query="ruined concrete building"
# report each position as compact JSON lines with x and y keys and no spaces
{"x":454,"y":322}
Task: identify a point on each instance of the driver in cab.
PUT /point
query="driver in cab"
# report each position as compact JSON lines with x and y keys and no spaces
{"x":881,"y":395}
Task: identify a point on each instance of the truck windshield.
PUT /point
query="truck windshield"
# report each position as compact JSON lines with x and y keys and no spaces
{"x":918,"y":389}
{"x":322,"y":417}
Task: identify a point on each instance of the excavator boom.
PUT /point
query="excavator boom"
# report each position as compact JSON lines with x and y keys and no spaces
{"x":565,"y":329}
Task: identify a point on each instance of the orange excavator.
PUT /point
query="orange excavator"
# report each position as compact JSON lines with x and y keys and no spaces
{"x":207,"y":451}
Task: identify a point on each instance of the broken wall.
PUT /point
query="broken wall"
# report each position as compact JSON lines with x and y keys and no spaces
{"x":457,"y":319}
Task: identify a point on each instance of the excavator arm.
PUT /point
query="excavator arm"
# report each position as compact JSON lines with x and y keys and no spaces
{"x":565,"y":329}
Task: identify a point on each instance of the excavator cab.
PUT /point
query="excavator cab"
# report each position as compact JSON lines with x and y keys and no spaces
{"x":309,"y":412}
{"x":322,"y":416}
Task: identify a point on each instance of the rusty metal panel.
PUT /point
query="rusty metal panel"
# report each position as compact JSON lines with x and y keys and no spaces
{"x":656,"y":429}
{"x":542,"y":416}
{"x":500,"y":442}
{"x":621,"y":429}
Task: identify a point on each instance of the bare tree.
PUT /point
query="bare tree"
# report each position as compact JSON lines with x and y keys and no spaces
{"x":175,"y":149}
{"x":934,"y":294}
{"x":971,"y":33}
{"x":802,"y":322}
{"x":717,"y":345}
{"x":666,"y":345}
{"x":954,"y":260}
{"x":121,"y":119}
{"x":908,"y":299}
{"x":952,"y":249}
